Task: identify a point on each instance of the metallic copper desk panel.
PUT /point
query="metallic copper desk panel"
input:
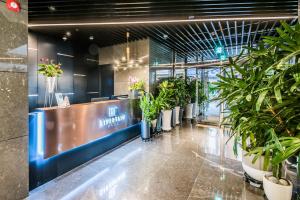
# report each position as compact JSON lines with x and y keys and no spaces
{"x":79,"y":124}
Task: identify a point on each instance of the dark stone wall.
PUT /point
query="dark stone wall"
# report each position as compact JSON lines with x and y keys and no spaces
{"x":13,"y":103}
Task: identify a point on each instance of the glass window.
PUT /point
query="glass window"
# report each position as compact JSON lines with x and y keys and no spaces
{"x":179,"y":73}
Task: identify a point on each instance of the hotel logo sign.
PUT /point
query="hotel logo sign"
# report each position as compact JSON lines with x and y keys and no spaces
{"x":114,"y":118}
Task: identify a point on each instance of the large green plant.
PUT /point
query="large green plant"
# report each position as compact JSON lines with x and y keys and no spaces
{"x":150,"y":107}
{"x":166,"y":95}
{"x":180,"y":91}
{"x":262,"y":94}
{"x":191,"y":91}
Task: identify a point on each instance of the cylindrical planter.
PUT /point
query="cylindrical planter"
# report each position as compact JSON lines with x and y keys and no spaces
{"x":133,"y":94}
{"x":177,"y":110}
{"x":189,"y":111}
{"x":153,"y":126}
{"x":180,"y":115}
{"x":153,"y":123}
{"x":254,"y":170}
{"x":159,"y":123}
{"x":275,"y":191}
{"x":145,"y":130}
{"x":166,"y":120}
{"x":173,"y":123}
{"x":195,"y":110}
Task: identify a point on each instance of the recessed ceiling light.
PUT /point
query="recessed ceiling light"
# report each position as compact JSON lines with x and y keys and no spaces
{"x":52,"y":8}
{"x":91,"y":37}
{"x":68,"y":33}
{"x":76,"y":29}
{"x":64,"y":38}
{"x":168,"y":21}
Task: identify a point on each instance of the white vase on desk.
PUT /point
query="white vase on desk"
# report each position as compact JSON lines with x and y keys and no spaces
{"x":50,"y":88}
{"x":51,"y":83}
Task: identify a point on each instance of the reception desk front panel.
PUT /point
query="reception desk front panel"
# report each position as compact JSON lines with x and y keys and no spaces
{"x":79,"y":124}
{"x":61,"y":139}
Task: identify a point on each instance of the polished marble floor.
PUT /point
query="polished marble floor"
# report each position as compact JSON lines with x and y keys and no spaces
{"x":187,"y":163}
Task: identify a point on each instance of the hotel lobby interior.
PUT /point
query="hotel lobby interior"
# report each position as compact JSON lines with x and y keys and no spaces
{"x":149,"y":100}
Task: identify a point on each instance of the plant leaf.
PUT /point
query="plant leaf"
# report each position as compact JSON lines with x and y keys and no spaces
{"x":260,"y":99}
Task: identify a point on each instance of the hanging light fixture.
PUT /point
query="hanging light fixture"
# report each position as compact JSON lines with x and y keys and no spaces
{"x":126,"y":62}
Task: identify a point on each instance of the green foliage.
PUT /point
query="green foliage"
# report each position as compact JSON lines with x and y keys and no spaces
{"x":166,"y":96}
{"x":191,"y":91}
{"x":262,"y":94}
{"x":49,"y":69}
{"x":180,"y":91}
{"x":138,"y":85}
{"x":150,"y":107}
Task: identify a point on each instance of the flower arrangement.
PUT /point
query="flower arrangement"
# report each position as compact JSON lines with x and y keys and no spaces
{"x":49,"y":69}
{"x":135,"y":84}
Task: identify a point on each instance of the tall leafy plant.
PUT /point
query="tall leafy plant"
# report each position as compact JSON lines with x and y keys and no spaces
{"x":150,"y":107}
{"x":166,"y":95}
{"x":180,"y":91}
{"x":191,"y":89}
{"x":262,"y":94}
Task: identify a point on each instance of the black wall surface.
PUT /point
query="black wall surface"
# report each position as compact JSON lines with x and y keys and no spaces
{"x":107,"y":80}
{"x":82,"y":77}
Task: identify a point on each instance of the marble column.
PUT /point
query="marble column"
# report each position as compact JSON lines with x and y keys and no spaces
{"x":13,"y":103}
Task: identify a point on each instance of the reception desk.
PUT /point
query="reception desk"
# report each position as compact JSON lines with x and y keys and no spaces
{"x":63,"y":138}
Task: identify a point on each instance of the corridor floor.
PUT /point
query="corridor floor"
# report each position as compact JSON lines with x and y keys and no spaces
{"x":187,"y":163}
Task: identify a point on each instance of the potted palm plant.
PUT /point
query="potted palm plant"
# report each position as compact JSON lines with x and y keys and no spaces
{"x":166,"y":99}
{"x":193,"y":92}
{"x":180,"y":98}
{"x":261,"y":91}
{"x":149,"y":112}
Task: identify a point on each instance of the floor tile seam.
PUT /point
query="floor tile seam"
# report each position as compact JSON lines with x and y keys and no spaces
{"x":194,"y":182}
{"x":13,"y":138}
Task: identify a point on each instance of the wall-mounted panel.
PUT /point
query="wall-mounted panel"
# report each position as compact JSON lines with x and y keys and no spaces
{"x":65,"y":81}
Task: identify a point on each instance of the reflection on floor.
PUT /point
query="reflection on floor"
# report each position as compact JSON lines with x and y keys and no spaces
{"x":188,"y":163}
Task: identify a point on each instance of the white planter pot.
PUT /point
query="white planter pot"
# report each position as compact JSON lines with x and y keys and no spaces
{"x":166,"y":120}
{"x":255,"y":170}
{"x":195,"y":110}
{"x":153,"y":123}
{"x":51,"y":82}
{"x":276,"y":191}
{"x":189,"y":111}
{"x":177,"y":108}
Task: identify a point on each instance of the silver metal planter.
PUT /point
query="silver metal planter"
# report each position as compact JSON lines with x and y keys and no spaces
{"x":145,"y":130}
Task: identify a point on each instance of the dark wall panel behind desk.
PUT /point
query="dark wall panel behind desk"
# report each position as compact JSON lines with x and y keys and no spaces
{"x":80,"y":88}
{"x":107,"y":80}
{"x":93,"y":84}
{"x":65,"y":82}
{"x":81,"y":70}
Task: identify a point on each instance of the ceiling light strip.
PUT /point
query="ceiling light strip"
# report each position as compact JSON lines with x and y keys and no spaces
{"x":166,"y":21}
{"x":65,"y":55}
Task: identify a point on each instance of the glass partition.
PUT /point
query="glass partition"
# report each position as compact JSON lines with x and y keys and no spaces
{"x":210,"y":110}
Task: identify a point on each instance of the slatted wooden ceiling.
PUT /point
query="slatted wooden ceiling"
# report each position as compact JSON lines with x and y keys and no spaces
{"x":193,"y":38}
{"x":104,"y":10}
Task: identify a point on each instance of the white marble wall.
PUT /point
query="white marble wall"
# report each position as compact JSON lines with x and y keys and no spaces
{"x":13,"y":103}
{"x":138,"y":49}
